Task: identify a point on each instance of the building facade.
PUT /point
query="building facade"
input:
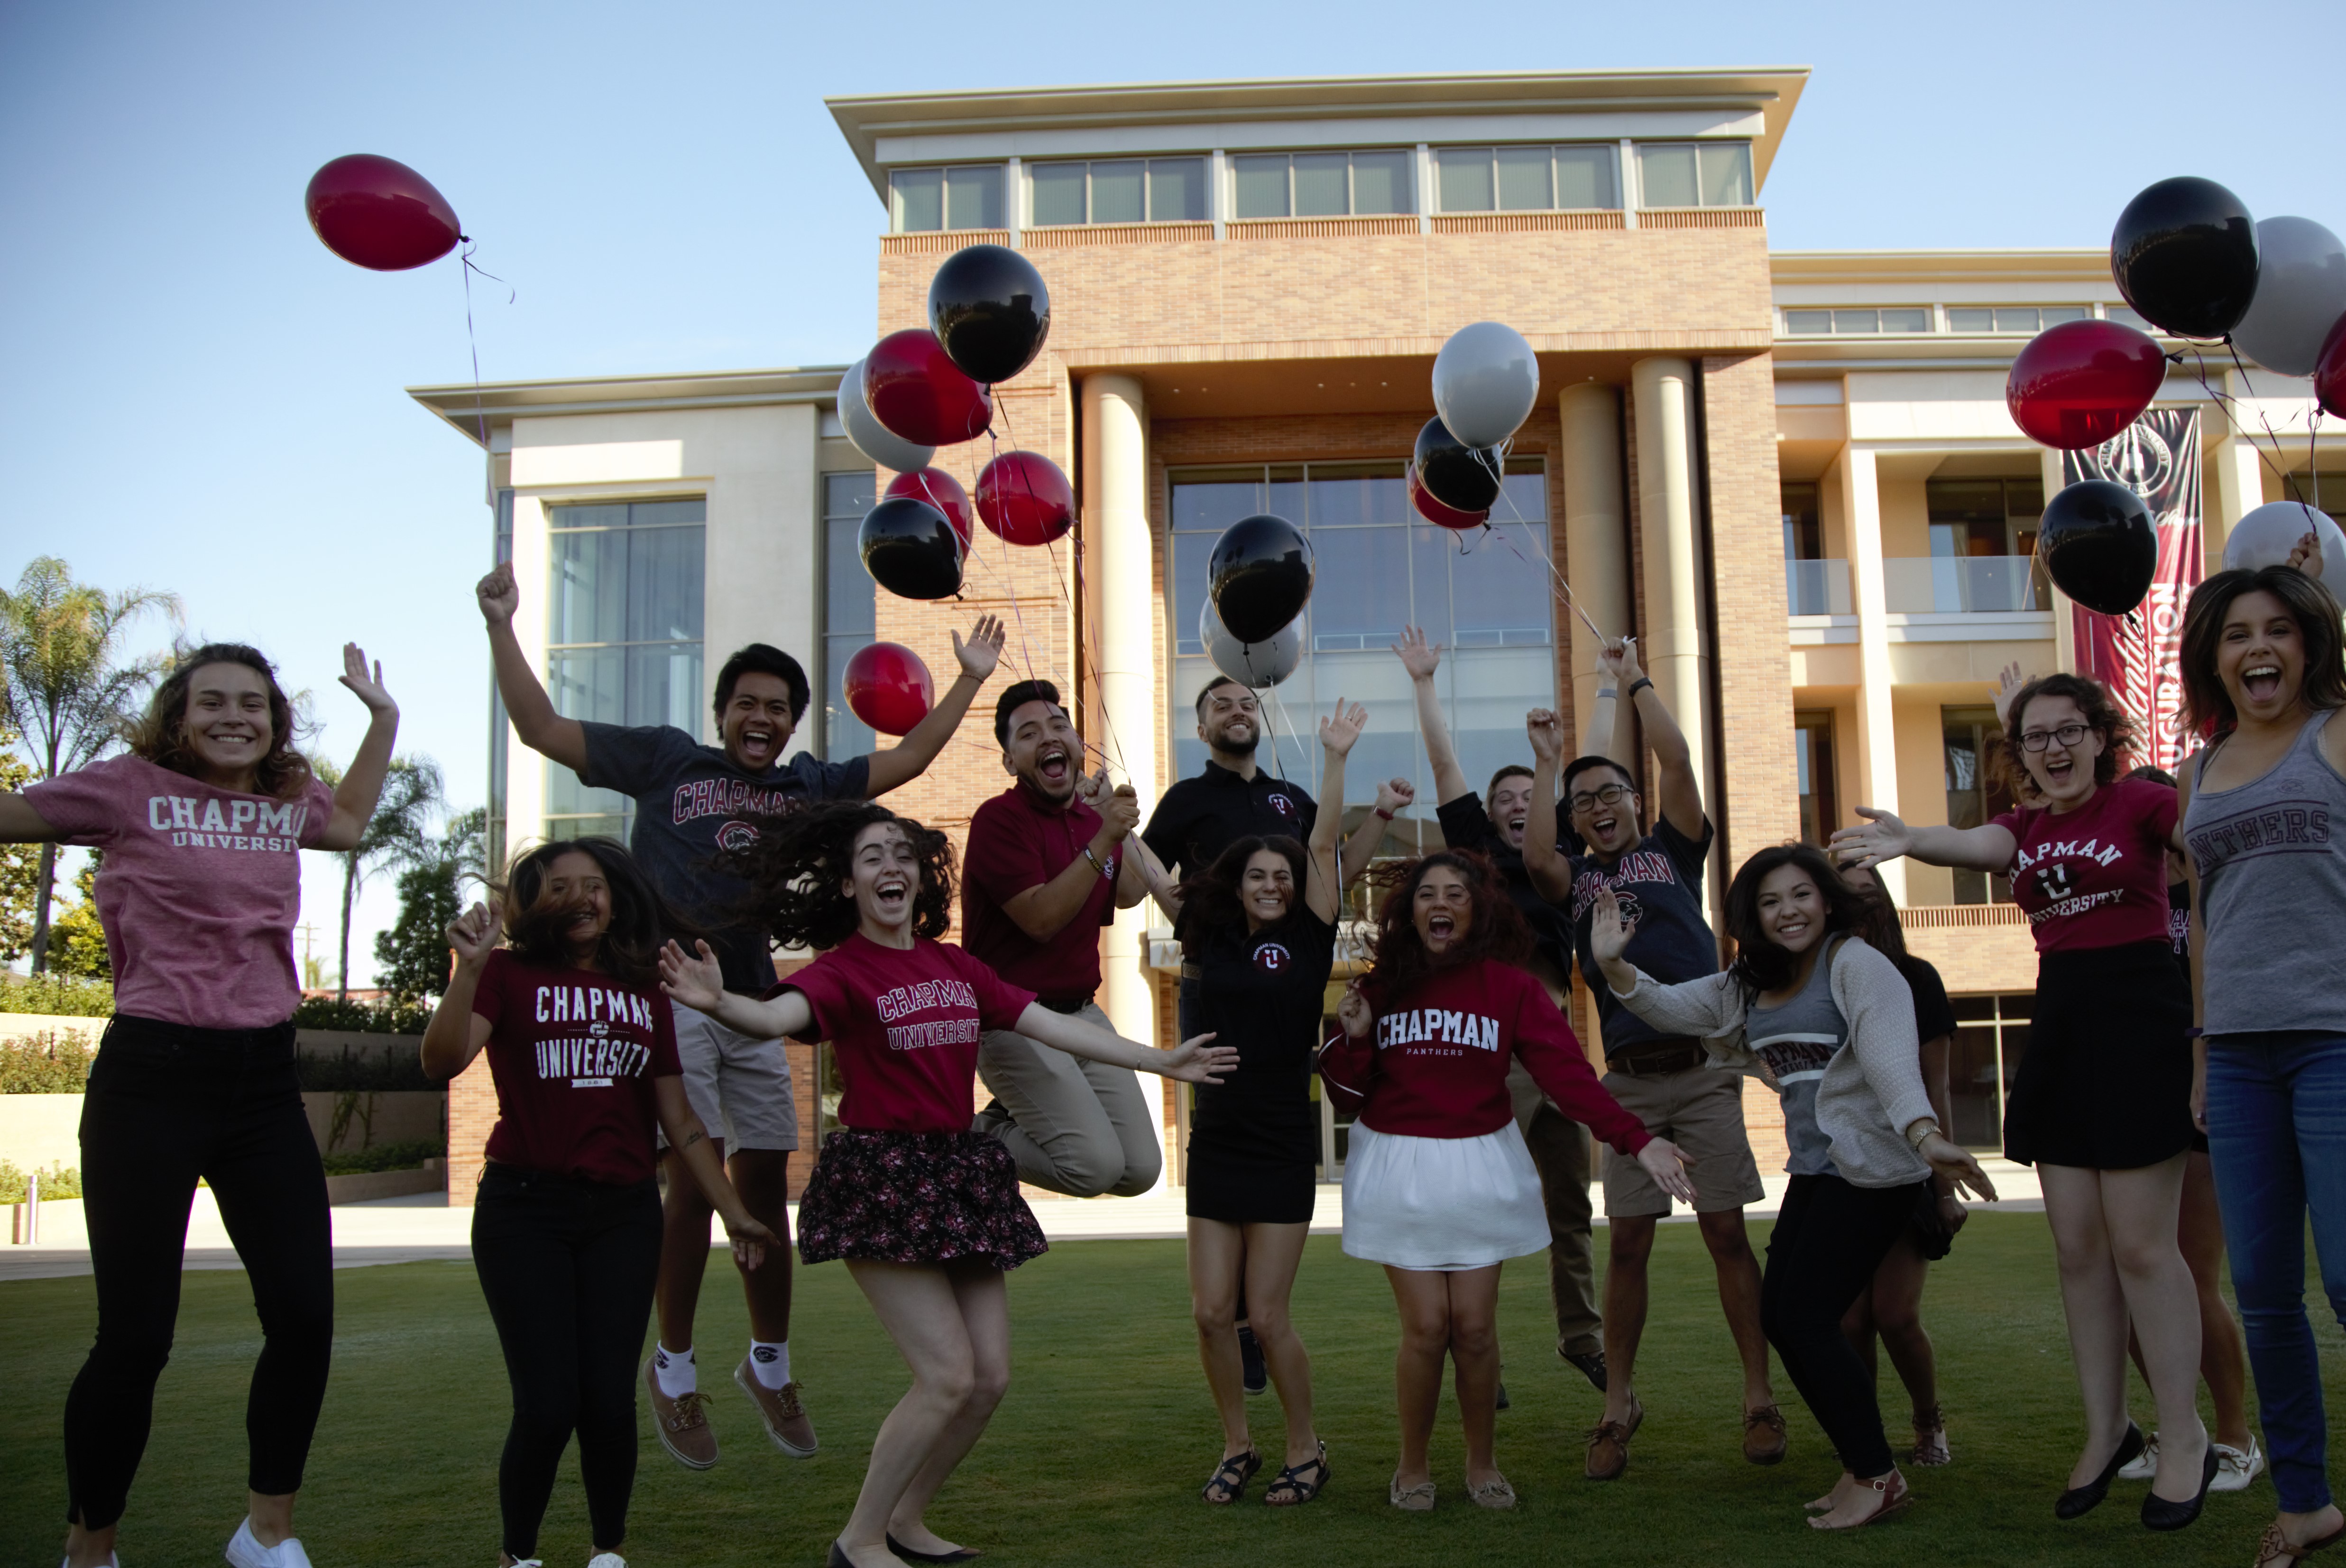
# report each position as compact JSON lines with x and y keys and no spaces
{"x":1790,"y":475}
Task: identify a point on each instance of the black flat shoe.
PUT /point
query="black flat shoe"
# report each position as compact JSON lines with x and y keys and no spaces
{"x":837,"y":1559}
{"x":2080,"y":1501}
{"x":958,"y":1555}
{"x":2159,"y":1513}
{"x":1590,"y":1365}
{"x":1499,"y":1400}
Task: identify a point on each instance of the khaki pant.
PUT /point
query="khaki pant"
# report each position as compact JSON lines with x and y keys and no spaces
{"x":1080,"y":1127}
{"x":1561,"y":1152}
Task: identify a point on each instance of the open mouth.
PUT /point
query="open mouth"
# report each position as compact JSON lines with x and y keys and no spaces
{"x":1053,"y":764}
{"x":226,"y":739}
{"x":1514,"y":829}
{"x":758,"y":743}
{"x":892,"y":894}
{"x":2059,"y":768}
{"x":1440,"y":929}
{"x":2261,"y":682}
{"x":1789,"y":931}
{"x":1602,"y":825}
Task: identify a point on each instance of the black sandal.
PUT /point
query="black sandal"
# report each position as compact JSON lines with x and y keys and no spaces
{"x":1229,"y":1482}
{"x":1291,"y":1478}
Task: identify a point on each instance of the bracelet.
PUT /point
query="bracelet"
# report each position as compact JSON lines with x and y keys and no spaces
{"x":1104,"y":872}
{"x":1640,"y":684}
{"x":1921,"y":1131}
{"x":1604,"y":691}
{"x":1388,"y":816}
{"x":2195,"y":1032}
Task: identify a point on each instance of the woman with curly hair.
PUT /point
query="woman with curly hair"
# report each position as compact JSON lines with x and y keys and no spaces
{"x":1438,"y":1184}
{"x":567,"y":1223}
{"x":2102,"y":1103}
{"x":926,"y":1211}
{"x":202,"y":822}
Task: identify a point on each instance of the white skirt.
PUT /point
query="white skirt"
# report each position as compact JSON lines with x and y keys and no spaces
{"x":1441,"y":1204}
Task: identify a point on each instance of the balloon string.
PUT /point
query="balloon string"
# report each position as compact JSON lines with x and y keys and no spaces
{"x":1547,"y":558}
{"x":2224,"y":402}
{"x":472,"y":339}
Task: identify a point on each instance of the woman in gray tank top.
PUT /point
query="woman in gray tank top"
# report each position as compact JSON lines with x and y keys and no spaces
{"x":2264,"y":812}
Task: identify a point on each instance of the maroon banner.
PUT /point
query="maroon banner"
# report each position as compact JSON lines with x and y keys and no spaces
{"x":2136,"y":656}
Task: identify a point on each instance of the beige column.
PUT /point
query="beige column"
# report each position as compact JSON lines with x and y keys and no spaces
{"x":2236,"y":487}
{"x":1671,"y":647}
{"x":1595,"y":530}
{"x":1877,"y":733}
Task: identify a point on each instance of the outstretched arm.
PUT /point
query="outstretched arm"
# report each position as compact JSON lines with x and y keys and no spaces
{"x":362,"y":786}
{"x":1544,"y":860}
{"x":903,"y":763}
{"x":699,"y":983}
{"x":1195,"y":1061}
{"x":1422,"y":660}
{"x":20,"y":824}
{"x":541,"y":728}
{"x":1678,"y":793}
{"x":1884,"y":836}
{"x":1323,"y":889}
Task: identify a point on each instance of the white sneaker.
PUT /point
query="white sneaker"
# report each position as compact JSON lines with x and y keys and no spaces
{"x":245,"y":1550}
{"x":2235,"y":1470}
{"x":606,"y":1560}
{"x":113,"y":1560}
{"x":2144,"y":1465}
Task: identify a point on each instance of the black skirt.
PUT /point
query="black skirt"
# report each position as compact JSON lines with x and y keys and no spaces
{"x":916,"y":1198}
{"x":1244,"y":1175}
{"x":2106,"y":1084}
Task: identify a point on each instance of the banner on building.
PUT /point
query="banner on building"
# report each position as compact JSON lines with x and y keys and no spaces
{"x":2136,"y":656}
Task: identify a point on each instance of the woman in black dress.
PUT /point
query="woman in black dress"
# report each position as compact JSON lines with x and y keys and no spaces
{"x":1260,"y":926}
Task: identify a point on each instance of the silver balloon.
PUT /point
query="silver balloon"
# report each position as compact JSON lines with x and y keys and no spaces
{"x":873,"y":439}
{"x":2300,"y":294}
{"x":2266,"y":536}
{"x":1255,"y":664}
{"x":1485,"y":381}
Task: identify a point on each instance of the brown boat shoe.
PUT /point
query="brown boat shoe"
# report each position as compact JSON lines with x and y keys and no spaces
{"x":785,"y":1417}
{"x":1608,"y":1445}
{"x":681,"y":1423}
{"x":1764,"y":1440}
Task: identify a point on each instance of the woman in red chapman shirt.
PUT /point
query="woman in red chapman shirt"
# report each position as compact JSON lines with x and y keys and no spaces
{"x":925,"y":1211}
{"x":1438,"y":1184}
{"x":567,"y":1223}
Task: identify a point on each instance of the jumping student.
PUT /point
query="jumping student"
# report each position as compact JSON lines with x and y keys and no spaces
{"x":692,"y":802}
{"x":202,"y":823}
{"x":566,"y":1223}
{"x":924,"y":1209}
{"x":1438,"y":1185}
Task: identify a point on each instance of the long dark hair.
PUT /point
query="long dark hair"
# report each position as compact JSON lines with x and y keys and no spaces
{"x":1879,"y":924}
{"x":1209,"y":899}
{"x":641,"y":919}
{"x":2093,"y":700}
{"x":1399,"y":959}
{"x":160,"y":734}
{"x":801,"y":859}
{"x":2207,"y":707}
{"x":1760,"y":963}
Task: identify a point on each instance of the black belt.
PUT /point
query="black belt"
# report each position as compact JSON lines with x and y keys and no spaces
{"x":1069,"y":1006}
{"x":1653,"y":1058}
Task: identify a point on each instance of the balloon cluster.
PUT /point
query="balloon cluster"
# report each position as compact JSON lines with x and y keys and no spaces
{"x":1485,"y":380}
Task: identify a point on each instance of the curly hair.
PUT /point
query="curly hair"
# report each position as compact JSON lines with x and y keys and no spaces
{"x":641,"y":919}
{"x":1761,"y":964}
{"x":1209,"y":899}
{"x":160,"y":734}
{"x":2207,"y":707}
{"x":801,"y":859}
{"x":2102,"y":715}
{"x":1398,"y":959}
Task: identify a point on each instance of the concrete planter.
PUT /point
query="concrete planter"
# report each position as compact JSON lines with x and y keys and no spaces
{"x":37,"y":1131}
{"x":368,"y":1185}
{"x":399,"y":1118}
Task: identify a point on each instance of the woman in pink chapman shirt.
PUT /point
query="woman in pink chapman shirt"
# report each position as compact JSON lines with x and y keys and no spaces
{"x":202,"y":824}
{"x":926,"y":1211}
{"x":1438,"y":1184}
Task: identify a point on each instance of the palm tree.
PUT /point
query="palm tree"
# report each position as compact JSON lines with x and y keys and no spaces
{"x":398,"y":834}
{"x":61,"y":686}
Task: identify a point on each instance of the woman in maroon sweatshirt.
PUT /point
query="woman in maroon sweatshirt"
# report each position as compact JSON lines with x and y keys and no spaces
{"x":1438,"y":1185}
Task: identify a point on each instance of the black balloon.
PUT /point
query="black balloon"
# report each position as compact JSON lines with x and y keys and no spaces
{"x":989,"y":307}
{"x":1260,"y":575}
{"x":2185,"y":256}
{"x":911,"y":549}
{"x":1452,"y":472}
{"x":2100,"y":545}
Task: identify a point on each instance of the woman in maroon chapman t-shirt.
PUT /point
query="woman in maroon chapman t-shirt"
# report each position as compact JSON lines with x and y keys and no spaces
{"x":925,"y":1211}
{"x":566,"y":1222}
{"x":1438,"y":1184}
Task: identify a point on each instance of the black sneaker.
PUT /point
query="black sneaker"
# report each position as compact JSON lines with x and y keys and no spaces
{"x":1501,"y":1402}
{"x":1590,"y":1364}
{"x":1254,"y":1374}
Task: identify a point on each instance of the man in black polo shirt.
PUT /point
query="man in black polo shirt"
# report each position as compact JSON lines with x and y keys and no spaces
{"x":1658,"y":876}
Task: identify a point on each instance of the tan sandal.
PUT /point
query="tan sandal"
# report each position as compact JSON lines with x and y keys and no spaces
{"x":1418,"y":1499}
{"x":2273,"y":1550}
{"x":1491,"y":1493}
{"x":1895,"y":1495}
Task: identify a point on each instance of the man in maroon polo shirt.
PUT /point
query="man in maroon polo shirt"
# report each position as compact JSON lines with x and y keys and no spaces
{"x":1044,"y":871}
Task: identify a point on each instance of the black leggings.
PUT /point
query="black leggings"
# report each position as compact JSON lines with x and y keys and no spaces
{"x":167,"y":1104}
{"x":1829,"y":1239}
{"x":568,"y":1268}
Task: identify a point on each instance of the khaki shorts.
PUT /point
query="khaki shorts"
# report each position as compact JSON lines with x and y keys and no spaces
{"x":738,"y":1086}
{"x":1700,"y":1109}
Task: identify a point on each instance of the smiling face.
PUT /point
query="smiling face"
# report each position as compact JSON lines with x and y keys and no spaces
{"x":1791,"y":909}
{"x":575,"y":879}
{"x":2261,"y":656}
{"x":1266,"y":889}
{"x":1231,"y":721}
{"x":228,"y":725}
{"x":1442,"y":908}
{"x":757,"y":721}
{"x":1510,"y":807}
{"x":2064,"y":771}
{"x":1043,"y":751}
{"x":1607,"y":825}
{"x":884,"y":877}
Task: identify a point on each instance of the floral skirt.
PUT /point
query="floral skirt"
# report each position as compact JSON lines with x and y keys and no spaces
{"x":916,"y":1198}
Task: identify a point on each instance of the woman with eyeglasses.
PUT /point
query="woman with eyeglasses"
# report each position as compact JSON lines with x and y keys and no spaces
{"x":2102,"y":1101}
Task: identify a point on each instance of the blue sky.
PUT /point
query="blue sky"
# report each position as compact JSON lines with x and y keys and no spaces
{"x":197,"y":396}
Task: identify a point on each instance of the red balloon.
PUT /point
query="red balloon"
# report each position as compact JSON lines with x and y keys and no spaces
{"x":1435,"y":511}
{"x":1023,"y":497}
{"x":2329,"y":373}
{"x":888,"y":688}
{"x":920,"y":394}
{"x":942,"y":491}
{"x":2081,"y":383}
{"x":379,"y":213}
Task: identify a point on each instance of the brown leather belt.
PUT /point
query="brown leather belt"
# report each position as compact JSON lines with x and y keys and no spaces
{"x":1654,"y":1058}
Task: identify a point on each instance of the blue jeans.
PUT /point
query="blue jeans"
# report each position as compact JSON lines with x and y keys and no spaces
{"x":2276,"y":1130}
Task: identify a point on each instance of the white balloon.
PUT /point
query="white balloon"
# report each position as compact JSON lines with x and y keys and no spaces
{"x":2266,"y":536}
{"x":1485,"y":382}
{"x":1255,"y":664}
{"x":2300,"y":294}
{"x":870,"y":437}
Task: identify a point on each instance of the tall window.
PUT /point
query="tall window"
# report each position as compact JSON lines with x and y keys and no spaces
{"x":1321,"y":184}
{"x":1803,"y":533}
{"x":1694,"y":174}
{"x":1991,"y":1037}
{"x":1976,"y":794}
{"x":1526,"y":178}
{"x":623,"y":637}
{"x":1121,"y":190}
{"x":848,"y":610}
{"x":1812,"y":759}
{"x":969,"y":196}
{"x":1486,"y":597}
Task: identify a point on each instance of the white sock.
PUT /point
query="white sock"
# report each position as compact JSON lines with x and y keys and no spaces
{"x":676,"y":1370}
{"x":770,"y":1362}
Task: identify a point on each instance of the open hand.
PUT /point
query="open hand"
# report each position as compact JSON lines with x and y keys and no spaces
{"x":499,"y":594}
{"x":1195,"y":1061}
{"x":1418,"y":656}
{"x":984,"y":650}
{"x":365,"y":685}
{"x":749,"y":1240}
{"x":1667,"y":1164}
{"x":1340,"y":729}
{"x":1955,"y":1163}
{"x":1882,"y":836}
{"x":2009,"y":681}
{"x":1610,"y":929}
{"x":697,"y":983}
{"x":473,"y":933}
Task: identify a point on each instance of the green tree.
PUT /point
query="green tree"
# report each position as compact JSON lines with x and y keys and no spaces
{"x":411,"y":959}
{"x":77,"y":942}
{"x":20,"y":864}
{"x":396,"y":835}
{"x":64,"y":689}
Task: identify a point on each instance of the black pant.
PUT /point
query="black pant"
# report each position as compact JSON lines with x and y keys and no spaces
{"x":1189,"y":1008}
{"x":568,"y":1268}
{"x":1829,"y":1239}
{"x":167,"y":1104}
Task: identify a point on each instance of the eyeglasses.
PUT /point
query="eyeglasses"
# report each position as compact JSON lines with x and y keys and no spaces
{"x":1611,"y":795}
{"x":2068,"y":735}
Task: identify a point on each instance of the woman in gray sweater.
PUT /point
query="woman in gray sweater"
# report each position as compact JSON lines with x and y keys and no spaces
{"x":1829,"y":1022}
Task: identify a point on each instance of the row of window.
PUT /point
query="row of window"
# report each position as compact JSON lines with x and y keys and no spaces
{"x":1365,"y":182}
{"x":1968,"y":320}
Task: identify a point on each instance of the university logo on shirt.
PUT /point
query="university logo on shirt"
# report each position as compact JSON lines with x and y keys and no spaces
{"x":245,"y":825}
{"x":592,"y":1059}
{"x":1284,"y":804}
{"x":1432,"y":1026}
{"x":1637,"y":866}
{"x":906,"y":1000}
{"x":2288,"y":828}
{"x":1272,"y":959}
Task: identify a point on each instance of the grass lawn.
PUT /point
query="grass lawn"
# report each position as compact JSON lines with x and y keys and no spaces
{"x":1096,"y":1455}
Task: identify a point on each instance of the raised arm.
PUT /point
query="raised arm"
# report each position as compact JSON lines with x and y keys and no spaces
{"x":1422,"y":660}
{"x":362,"y":784}
{"x":541,"y":728}
{"x":1545,"y":861}
{"x":1043,"y":911}
{"x":457,"y":1033}
{"x":1195,"y":1061}
{"x":1678,"y":793}
{"x":1393,"y":796}
{"x":1323,"y":889}
{"x":903,"y":763}
{"x":1701,"y":1008}
{"x":1884,"y":836}
{"x":699,"y":983}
